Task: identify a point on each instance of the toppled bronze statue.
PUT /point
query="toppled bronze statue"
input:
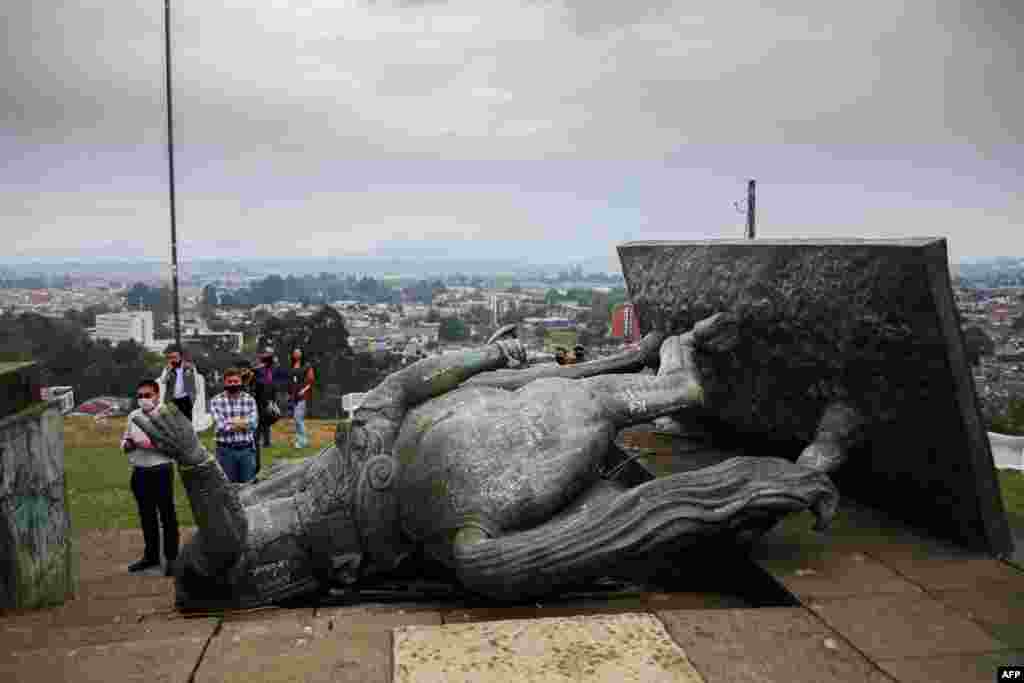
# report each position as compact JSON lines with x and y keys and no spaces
{"x":499,"y":480}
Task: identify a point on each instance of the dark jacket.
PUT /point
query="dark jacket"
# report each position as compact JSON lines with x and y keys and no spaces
{"x":168,"y":379}
{"x":264,"y":391}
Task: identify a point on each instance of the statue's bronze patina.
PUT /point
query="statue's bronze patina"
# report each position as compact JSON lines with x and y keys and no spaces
{"x":497,"y":478}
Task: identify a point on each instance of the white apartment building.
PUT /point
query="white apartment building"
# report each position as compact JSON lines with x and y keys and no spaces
{"x":119,"y":327}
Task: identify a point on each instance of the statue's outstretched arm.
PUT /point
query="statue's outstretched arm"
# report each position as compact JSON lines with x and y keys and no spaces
{"x":215,"y":504}
{"x":436,"y":375}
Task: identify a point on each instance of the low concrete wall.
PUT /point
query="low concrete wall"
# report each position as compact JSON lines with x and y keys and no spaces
{"x":38,"y":561}
{"x":1007,"y":451}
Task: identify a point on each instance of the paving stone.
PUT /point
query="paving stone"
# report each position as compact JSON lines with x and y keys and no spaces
{"x":980,"y":668}
{"x":703,"y":600}
{"x":338,"y":644}
{"x":24,"y":630}
{"x":159,"y":656}
{"x":298,"y":617}
{"x":89,"y":611}
{"x":945,"y":574}
{"x":622,"y":647}
{"x":835,"y":573}
{"x":858,"y":529}
{"x":51,"y":636}
{"x":903,"y":625}
{"x":125,"y":585}
{"x":784,"y":644}
{"x":996,"y":607}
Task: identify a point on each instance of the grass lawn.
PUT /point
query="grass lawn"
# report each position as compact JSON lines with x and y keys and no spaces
{"x":98,"y":473}
{"x":1012,"y":484}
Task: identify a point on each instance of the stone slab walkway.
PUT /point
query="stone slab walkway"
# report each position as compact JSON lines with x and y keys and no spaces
{"x":875,"y":600}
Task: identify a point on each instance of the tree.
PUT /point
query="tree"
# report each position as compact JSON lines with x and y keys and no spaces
{"x":326,"y":334}
{"x":270,"y":290}
{"x":323,"y":339}
{"x":552,"y":297}
{"x":217,"y":324}
{"x":452,"y":329}
{"x":1011,"y":421}
{"x":600,"y":309}
{"x":977,"y":343}
{"x":129,"y":352}
{"x":160,"y":300}
{"x":208,"y":301}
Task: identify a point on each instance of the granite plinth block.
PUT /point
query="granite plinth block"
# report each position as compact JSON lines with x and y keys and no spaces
{"x":37,"y":556}
{"x":870,"y":323}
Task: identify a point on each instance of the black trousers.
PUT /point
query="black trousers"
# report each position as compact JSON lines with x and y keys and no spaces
{"x":263,"y":430}
{"x":153,"y":488}
{"x":185,"y":406}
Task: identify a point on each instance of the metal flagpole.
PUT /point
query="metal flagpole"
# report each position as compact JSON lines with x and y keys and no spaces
{"x":750,"y":210}
{"x":170,"y":168}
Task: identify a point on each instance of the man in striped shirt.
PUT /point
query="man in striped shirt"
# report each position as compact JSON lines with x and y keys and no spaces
{"x":235,"y":417}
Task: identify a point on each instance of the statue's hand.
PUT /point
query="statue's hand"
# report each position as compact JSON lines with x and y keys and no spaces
{"x":824,"y":456}
{"x":172,"y":434}
{"x":719,"y":332}
{"x":512,"y":349}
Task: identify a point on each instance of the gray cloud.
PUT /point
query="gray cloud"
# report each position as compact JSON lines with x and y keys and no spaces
{"x":272,"y":98}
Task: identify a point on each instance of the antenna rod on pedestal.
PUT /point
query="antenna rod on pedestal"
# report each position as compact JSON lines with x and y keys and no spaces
{"x":170,"y":169}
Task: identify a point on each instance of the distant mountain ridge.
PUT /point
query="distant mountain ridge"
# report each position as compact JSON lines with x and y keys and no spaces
{"x":375,"y":266}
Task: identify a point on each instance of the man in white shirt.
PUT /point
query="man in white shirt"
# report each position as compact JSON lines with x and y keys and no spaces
{"x":152,"y":484}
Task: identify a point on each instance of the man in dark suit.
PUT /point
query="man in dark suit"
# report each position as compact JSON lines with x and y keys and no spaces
{"x":178,"y":380}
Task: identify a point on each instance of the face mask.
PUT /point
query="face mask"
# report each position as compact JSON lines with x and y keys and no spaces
{"x":148,"y":405}
{"x":233,"y":389}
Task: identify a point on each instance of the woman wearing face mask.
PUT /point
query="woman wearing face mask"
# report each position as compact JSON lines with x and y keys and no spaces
{"x":152,"y":484}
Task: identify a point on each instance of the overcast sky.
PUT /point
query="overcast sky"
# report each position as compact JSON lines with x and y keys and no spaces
{"x":545,"y":130}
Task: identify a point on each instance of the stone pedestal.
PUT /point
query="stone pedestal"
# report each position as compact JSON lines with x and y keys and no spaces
{"x":37,"y":556}
{"x":870,"y":323}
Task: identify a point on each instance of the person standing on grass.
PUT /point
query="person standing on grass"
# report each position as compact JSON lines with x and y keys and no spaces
{"x":236,"y":419}
{"x":152,"y":484}
{"x":178,"y":380}
{"x":302,"y":379}
{"x":268,"y":380}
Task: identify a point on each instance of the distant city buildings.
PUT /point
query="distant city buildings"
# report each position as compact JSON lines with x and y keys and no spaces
{"x":127,"y":325}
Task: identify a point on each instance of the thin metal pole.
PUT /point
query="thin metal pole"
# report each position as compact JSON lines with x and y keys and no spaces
{"x":170,"y":169}
{"x":750,"y":210}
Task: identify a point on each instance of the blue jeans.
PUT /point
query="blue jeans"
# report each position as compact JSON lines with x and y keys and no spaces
{"x":239,"y":464}
{"x":299,"y":413}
